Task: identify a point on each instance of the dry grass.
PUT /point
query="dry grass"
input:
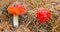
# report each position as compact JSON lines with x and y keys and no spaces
{"x":28,"y":21}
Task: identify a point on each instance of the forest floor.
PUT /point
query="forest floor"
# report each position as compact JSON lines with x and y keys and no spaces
{"x":28,"y":21}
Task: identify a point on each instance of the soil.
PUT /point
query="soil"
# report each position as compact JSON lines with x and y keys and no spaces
{"x":28,"y":21}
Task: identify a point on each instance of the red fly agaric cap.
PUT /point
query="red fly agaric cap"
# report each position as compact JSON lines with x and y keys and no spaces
{"x":43,"y":14}
{"x":16,"y":8}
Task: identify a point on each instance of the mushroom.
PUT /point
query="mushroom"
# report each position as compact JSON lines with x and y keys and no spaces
{"x":16,"y":9}
{"x":43,"y":15}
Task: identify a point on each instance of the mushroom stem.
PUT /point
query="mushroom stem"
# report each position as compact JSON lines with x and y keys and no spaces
{"x":15,"y":20}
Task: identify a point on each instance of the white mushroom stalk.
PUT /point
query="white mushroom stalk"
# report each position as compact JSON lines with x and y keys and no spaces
{"x":15,"y":21}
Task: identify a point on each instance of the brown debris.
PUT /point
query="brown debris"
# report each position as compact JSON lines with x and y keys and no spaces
{"x":22,"y":29}
{"x":28,"y":22}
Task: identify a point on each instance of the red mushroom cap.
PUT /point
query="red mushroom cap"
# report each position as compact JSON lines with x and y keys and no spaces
{"x":43,"y":14}
{"x":16,"y":8}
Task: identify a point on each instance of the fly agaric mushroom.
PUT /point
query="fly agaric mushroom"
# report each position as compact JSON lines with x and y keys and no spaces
{"x":43,"y":15}
{"x":16,"y":9}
